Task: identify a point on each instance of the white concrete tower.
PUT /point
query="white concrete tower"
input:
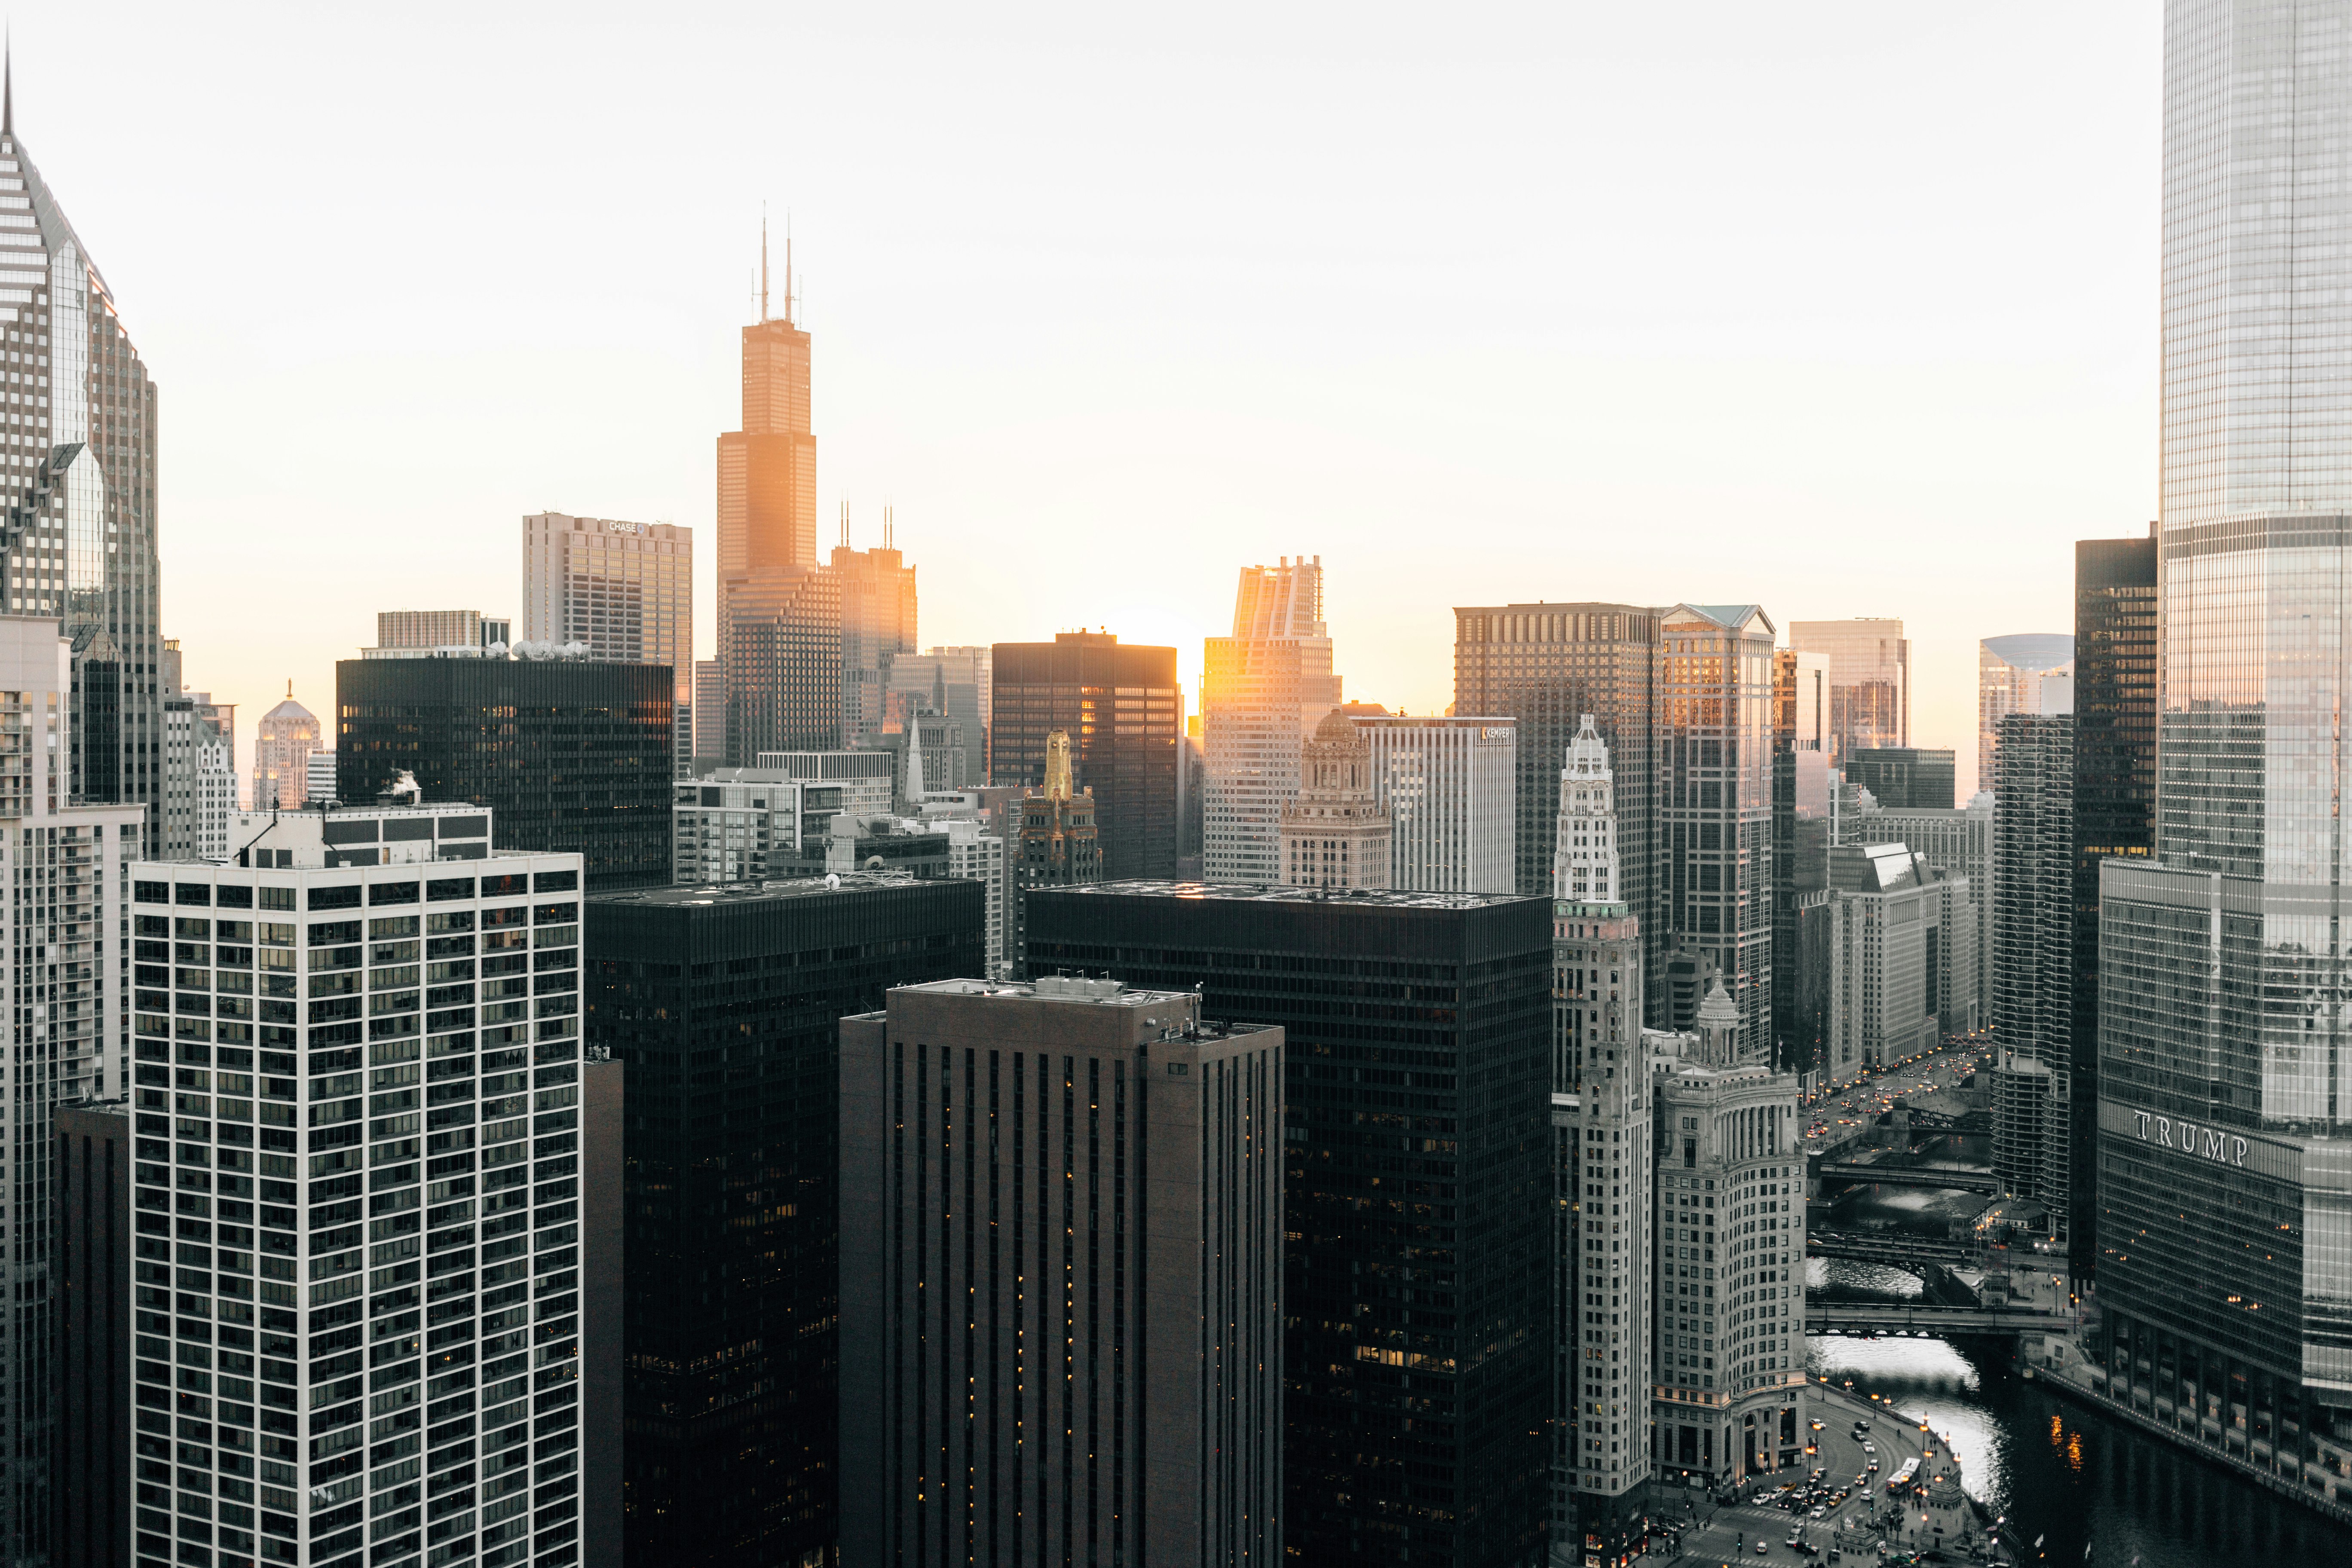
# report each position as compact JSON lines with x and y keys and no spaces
{"x":1600,"y":1120}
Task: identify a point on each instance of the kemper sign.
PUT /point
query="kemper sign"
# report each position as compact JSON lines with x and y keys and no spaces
{"x":2192,"y":1140}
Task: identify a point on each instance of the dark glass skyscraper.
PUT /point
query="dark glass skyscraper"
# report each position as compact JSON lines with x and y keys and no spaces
{"x":1801,"y":851}
{"x":2225,"y":1047}
{"x":572,"y":755}
{"x":1547,"y":666}
{"x":2114,"y":803}
{"x":726,"y":1013}
{"x":1418,"y":1190}
{"x":1906,"y":778}
{"x":1123,"y":712}
{"x":78,"y":464}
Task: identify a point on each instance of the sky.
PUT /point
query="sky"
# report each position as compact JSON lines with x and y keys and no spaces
{"x":1837,"y":308}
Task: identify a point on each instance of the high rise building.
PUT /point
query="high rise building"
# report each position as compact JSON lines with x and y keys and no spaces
{"x":1191,"y":787}
{"x":876,"y":590}
{"x":80,"y":540}
{"x":1600,"y":1468}
{"x":282,"y":745}
{"x":318,"y":773}
{"x":725,"y":1011}
{"x":979,"y":854}
{"x":780,"y":662}
{"x":1730,"y":1220}
{"x":1803,"y":831}
{"x":1109,"y":1315}
{"x":2010,"y":672}
{"x":1262,"y":692}
{"x":91,"y":1165}
{"x":767,"y":470}
{"x":1906,"y":778}
{"x":1870,"y":681}
{"x":1452,"y":1466}
{"x":1903,"y":959}
{"x":1448,"y":786}
{"x":1123,"y":712}
{"x":199,"y":766}
{"x":868,"y":786}
{"x":1060,"y":844}
{"x":2115,"y":806}
{"x":1546,"y":666}
{"x":1714,"y":799}
{"x":428,"y":1286}
{"x":573,"y":754}
{"x":710,"y":714}
{"x":63,"y":916}
{"x":2032,"y":959}
{"x":741,"y":825}
{"x":1334,"y":833}
{"x":399,"y":632}
{"x":1960,"y":842}
{"x":623,"y":592}
{"x":957,"y":683}
{"x":2223,"y":1075}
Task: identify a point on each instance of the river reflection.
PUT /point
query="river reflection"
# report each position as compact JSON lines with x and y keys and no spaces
{"x":2056,"y":1468}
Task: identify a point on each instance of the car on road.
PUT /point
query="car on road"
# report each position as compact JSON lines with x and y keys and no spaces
{"x":1869,"y":1448}
{"x":1819,"y":1512}
{"x":1763,"y":1549}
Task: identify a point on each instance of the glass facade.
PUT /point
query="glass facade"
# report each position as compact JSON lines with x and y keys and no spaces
{"x":2225,"y":1231}
{"x":725,"y":1014}
{"x":78,"y":463}
{"x":2114,"y":803}
{"x":1123,"y":712}
{"x":1416,"y":1290}
{"x":572,"y":755}
{"x":1870,"y":681}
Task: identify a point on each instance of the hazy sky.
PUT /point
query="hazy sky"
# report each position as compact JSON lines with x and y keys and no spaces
{"x":1841,"y":308}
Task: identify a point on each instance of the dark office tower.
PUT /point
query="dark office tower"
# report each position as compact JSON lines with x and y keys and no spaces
{"x":1417,"y":1027}
{"x":1906,"y":778}
{"x":1714,"y":802}
{"x":726,"y":1011}
{"x":2115,"y":803}
{"x":77,"y":460}
{"x":1060,"y":846}
{"x":1124,"y":713}
{"x":2225,"y":1081}
{"x":1061,"y":1273}
{"x":89,"y":1468}
{"x":1547,"y":666}
{"x":2032,"y":958}
{"x":570,"y":754}
{"x":1801,"y":827}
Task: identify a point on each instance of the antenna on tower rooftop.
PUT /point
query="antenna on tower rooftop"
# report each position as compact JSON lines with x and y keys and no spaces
{"x":763,"y":266}
{"x":788,"y":268}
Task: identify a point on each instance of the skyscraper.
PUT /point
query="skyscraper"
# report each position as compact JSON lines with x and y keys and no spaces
{"x":1060,"y":842}
{"x":1801,"y":834}
{"x":1906,"y":778}
{"x":1902,"y":950}
{"x":81,"y":540}
{"x":1450,"y":787}
{"x":199,"y":766}
{"x":876,"y":590}
{"x":624,"y":591}
{"x":1547,"y":666}
{"x":2009,"y":671}
{"x":1715,"y":798}
{"x":1870,"y":681}
{"x":422,"y":631}
{"x":2225,"y":1083}
{"x":573,"y":754}
{"x":957,"y":683}
{"x":726,"y":1013}
{"x":282,"y":745}
{"x":1334,"y":833}
{"x":2115,"y":803}
{"x":710,"y":714}
{"x":1601,"y":1450}
{"x":1262,"y":692}
{"x":1452,"y":1466}
{"x":2032,"y":959}
{"x":1960,"y":842}
{"x":1122,"y":709}
{"x":433,"y":1171}
{"x":1108,"y":1316}
{"x":63,"y":915}
{"x":780,"y":662}
{"x":767,"y":470}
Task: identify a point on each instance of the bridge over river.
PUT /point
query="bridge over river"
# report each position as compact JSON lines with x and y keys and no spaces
{"x":1962,"y":1178}
{"x":1928,"y":1322}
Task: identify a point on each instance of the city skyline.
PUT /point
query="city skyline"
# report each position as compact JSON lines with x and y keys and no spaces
{"x":604,"y":423}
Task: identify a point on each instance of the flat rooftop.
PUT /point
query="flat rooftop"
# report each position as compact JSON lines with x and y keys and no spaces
{"x":1257,"y":893}
{"x":1054,"y":988}
{"x":692,"y":895}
